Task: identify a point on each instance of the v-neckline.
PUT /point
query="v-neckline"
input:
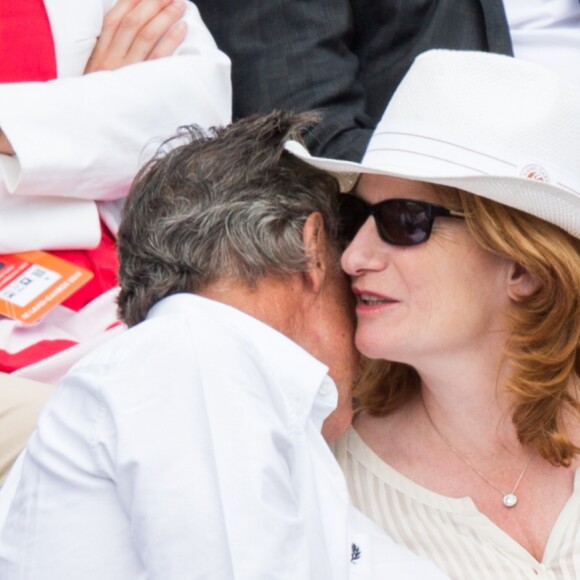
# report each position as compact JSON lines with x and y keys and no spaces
{"x":465,"y":505}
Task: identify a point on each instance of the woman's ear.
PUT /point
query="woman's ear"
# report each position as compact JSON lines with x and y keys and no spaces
{"x":521,"y":283}
{"x":314,"y":237}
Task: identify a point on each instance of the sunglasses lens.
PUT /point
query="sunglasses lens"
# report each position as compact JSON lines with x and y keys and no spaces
{"x":353,"y":214}
{"x":400,"y":222}
{"x":403,"y":222}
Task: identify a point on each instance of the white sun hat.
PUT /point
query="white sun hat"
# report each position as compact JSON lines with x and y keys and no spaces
{"x":493,"y":125}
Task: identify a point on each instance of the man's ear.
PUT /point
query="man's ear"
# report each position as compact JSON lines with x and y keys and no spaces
{"x":521,"y":283}
{"x":315,"y":246}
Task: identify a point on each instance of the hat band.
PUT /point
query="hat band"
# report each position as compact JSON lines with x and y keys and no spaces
{"x":422,"y":153}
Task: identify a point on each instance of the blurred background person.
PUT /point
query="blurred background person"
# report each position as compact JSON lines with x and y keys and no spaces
{"x":346,"y":57}
{"x":83,"y":90}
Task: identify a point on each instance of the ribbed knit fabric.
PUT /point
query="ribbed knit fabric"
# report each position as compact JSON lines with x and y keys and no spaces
{"x":450,"y":531}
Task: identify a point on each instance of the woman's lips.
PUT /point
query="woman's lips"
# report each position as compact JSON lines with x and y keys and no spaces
{"x":367,"y":301}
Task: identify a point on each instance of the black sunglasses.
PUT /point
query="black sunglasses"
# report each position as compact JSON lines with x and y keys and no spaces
{"x":400,"y":222}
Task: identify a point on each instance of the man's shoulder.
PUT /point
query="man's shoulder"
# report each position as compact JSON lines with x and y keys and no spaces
{"x":190,"y":334}
{"x":147,"y":344}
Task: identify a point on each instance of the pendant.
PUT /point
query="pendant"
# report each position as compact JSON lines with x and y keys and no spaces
{"x":510,"y":500}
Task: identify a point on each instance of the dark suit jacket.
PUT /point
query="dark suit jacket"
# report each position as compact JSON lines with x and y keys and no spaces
{"x":344,"y":57}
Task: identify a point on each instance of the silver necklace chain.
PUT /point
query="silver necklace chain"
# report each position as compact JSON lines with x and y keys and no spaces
{"x":509,"y":499}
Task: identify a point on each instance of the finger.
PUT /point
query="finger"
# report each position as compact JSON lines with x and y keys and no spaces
{"x":124,"y":27}
{"x":106,"y":55}
{"x":141,"y":28}
{"x":125,"y":38}
{"x":5,"y":145}
{"x":112,"y":20}
{"x":170,"y":41}
{"x":159,"y":31}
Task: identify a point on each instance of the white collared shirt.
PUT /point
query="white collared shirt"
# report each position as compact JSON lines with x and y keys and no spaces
{"x":189,"y":447}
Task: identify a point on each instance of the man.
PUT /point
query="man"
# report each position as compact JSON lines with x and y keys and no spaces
{"x":190,"y":446}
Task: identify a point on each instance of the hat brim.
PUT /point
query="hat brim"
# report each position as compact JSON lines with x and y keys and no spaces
{"x":552,"y":203}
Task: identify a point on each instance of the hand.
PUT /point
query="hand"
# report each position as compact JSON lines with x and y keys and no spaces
{"x":5,"y":146}
{"x":138,"y":30}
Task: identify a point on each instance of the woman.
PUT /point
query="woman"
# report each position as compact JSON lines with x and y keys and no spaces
{"x":465,"y":261}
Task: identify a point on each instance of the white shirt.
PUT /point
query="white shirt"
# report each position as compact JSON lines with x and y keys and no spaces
{"x":547,"y":32}
{"x":189,"y":447}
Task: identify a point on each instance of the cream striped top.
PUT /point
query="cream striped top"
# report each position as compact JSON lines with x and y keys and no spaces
{"x":450,"y":531}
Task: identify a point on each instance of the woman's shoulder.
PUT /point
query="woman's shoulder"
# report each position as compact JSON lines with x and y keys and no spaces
{"x":362,"y":441}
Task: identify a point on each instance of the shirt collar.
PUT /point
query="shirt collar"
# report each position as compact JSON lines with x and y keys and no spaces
{"x":302,"y":378}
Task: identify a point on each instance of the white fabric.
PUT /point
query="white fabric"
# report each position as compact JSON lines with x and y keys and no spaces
{"x":189,"y":447}
{"x":20,"y":402}
{"x":89,"y":327}
{"x":452,"y":531}
{"x":547,"y":32}
{"x":82,"y":138}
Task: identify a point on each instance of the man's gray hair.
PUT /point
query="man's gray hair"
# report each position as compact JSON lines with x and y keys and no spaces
{"x":230,"y":203}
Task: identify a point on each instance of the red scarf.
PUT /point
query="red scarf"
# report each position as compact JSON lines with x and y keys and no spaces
{"x":27,"y":54}
{"x":26,"y":46}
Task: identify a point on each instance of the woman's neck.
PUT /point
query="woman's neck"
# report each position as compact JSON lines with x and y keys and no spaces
{"x":465,"y":397}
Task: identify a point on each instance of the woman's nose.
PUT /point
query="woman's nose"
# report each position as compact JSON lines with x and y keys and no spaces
{"x":365,"y":252}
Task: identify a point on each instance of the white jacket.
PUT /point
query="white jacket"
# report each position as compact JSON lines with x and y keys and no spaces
{"x":82,"y":138}
{"x":79,"y":139}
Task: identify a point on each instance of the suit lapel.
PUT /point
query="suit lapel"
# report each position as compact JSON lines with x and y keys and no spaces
{"x":496,"y":26}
